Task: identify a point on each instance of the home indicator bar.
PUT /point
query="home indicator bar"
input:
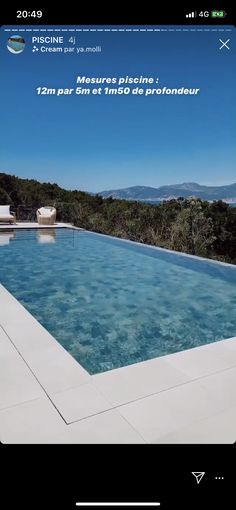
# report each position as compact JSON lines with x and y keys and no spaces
{"x":154,"y":504}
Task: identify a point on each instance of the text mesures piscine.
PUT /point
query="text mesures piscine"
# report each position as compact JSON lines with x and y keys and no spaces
{"x":122,"y":85}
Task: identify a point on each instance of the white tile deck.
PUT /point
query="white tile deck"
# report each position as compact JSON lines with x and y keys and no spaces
{"x":168,"y":411}
{"x":35,"y":421}
{"x":25,"y":224}
{"x":17,"y":383}
{"x":136,"y":381}
{"x":6,"y":347}
{"x":218,"y":428}
{"x":80,"y":402}
{"x":210,"y":358}
{"x":47,"y":397}
{"x":108,"y":427}
{"x":56,"y":369}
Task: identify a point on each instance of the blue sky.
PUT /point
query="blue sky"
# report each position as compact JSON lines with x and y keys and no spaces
{"x":103,"y":142}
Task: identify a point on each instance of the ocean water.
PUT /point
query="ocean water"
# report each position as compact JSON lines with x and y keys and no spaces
{"x":111,"y":303}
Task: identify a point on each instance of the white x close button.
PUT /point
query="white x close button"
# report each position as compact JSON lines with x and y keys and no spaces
{"x":224,"y":44}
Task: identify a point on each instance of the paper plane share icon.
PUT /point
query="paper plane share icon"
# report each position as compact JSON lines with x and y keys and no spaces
{"x":198,"y":475}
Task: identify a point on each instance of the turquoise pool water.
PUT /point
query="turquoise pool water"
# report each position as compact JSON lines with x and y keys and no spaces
{"x":111,"y":303}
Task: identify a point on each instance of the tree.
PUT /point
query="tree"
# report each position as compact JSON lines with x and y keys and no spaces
{"x":5,"y":199}
{"x":189,"y":225}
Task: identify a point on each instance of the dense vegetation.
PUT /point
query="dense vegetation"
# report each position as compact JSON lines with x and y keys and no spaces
{"x":189,"y":225}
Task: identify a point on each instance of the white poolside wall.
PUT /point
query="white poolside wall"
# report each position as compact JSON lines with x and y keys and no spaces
{"x":47,"y":397}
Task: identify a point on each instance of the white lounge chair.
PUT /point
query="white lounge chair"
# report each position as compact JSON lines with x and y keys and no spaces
{"x":5,"y":215}
{"x":46,"y":215}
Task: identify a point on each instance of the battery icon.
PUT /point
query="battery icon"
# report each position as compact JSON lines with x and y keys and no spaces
{"x":218,"y":14}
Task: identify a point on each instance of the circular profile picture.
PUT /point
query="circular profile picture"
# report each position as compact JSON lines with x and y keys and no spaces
{"x":16,"y":44}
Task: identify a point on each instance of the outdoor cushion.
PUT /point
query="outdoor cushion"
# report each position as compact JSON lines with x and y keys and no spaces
{"x":46,"y":211}
{"x":5,"y":210}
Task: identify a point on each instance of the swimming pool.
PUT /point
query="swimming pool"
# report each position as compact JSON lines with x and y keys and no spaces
{"x":111,"y":303}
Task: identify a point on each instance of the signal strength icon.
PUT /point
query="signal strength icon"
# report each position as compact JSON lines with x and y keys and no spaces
{"x":191,"y":15}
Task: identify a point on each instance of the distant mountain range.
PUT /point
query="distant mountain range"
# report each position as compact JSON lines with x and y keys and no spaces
{"x":187,"y":189}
